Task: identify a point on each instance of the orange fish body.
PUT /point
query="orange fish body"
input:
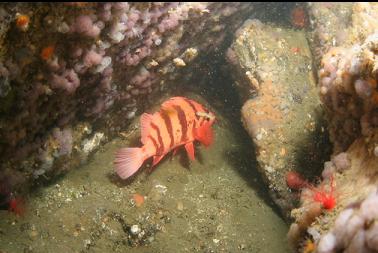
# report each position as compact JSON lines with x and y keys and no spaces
{"x":298,"y":17}
{"x":180,"y":121}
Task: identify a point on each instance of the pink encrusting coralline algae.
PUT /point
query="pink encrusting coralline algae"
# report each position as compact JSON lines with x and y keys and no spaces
{"x":348,"y":86}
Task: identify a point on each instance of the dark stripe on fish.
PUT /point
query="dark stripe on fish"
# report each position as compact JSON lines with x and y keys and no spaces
{"x":168,"y":124}
{"x":154,"y":142}
{"x":161,"y":144}
{"x":193,"y":107}
{"x":184,"y":124}
{"x":194,"y":128}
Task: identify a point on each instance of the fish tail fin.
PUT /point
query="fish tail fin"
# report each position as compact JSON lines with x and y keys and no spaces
{"x":205,"y":134}
{"x":128,"y":161}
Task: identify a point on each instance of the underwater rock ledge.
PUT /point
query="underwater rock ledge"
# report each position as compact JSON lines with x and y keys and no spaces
{"x":73,"y":75}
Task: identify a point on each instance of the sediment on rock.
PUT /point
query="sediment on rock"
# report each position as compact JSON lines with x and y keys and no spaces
{"x":330,"y":25}
{"x":282,"y":113}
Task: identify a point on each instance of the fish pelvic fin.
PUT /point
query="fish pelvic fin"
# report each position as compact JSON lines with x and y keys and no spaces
{"x":128,"y":161}
{"x":205,"y":134}
{"x":189,"y":147}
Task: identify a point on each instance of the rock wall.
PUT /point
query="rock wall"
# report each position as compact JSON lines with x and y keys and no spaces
{"x":329,"y":27}
{"x":348,"y":90}
{"x":288,"y":93}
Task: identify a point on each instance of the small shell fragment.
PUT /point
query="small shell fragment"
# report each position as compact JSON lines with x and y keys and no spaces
{"x":190,"y":54}
{"x":253,"y":82}
{"x":152,"y":63}
{"x":179,"y":62}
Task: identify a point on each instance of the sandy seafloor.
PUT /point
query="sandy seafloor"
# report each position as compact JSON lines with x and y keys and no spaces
{"x":217,"y":203}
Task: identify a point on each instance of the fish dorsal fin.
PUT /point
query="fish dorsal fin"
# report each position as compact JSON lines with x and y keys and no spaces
{"x":171,"y":102}
{"x":145,"y":122}
{"x":168,"y":108}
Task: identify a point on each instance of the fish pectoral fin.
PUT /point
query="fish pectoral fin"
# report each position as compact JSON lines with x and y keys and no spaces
{"x":205,"y":133}
{"x":190,"y":150}
{"x":156,"y":159}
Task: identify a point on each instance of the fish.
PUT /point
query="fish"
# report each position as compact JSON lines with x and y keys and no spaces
{"x":298,"y":17}
{"x":179,"y":122}
{"x":10,"y":202}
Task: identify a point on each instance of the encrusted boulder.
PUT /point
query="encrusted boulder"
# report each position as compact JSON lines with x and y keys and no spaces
{"x":282,"y":111}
